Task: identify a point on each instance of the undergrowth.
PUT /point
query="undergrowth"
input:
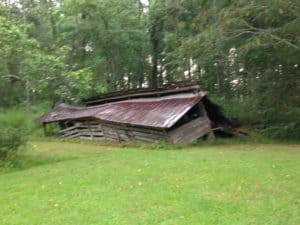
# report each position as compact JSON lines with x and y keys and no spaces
{"x":16,"y":125}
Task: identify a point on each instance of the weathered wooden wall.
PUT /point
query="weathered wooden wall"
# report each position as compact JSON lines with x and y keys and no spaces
{"x":90,"y":130}
{"x":98,"y":130}
{"x":191,"y":131}
{"x":130,"y":133}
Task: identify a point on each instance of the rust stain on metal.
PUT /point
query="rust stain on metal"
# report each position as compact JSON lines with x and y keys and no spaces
{"x":159,"y":112}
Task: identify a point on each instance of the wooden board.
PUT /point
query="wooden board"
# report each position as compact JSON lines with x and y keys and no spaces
{"x":90,"y":130}
{"x":105,"y":131}
{"x":123,"y":133}
{"x":149,"y":94}
{"x":191,"y":131}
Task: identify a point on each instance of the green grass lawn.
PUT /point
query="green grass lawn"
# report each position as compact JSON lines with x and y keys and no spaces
{"x":85,"y":183}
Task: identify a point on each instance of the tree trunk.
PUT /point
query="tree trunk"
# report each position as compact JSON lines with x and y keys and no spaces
{"x":155,"y":53}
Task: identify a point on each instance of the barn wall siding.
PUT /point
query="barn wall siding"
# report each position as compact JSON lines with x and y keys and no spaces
{"x":190,"y":131}
{"x":99,"y":130}
{"x":84,"y":130}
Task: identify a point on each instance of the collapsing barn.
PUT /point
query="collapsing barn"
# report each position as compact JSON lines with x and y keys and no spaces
{"x":179,"y":115}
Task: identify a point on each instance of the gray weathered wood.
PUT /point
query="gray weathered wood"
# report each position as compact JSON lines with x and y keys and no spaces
{"x":97,"y":130}
{"x":90,"y":138}
{"x":132,"y":128}
{"x":191,"y":131}
{"x":67,"y":129}
{"x":135,"y":95}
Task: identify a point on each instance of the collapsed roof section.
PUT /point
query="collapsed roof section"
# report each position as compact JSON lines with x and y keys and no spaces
{"x":156,"y":112}
{"x":168,"y":89}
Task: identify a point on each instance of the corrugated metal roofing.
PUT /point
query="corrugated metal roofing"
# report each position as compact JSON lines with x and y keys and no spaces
{"x":159,"y":112}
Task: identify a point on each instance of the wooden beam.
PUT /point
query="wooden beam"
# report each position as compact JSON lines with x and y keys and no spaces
{"x":146,"y":94}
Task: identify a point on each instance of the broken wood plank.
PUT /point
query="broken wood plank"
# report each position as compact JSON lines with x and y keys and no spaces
{"x":67,"y":129}
{"x":191,"y":131}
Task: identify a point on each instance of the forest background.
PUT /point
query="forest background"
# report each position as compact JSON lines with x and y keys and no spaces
{"x":244,"y":53}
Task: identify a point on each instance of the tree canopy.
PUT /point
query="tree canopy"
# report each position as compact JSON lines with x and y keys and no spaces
{"x":240,"y":51}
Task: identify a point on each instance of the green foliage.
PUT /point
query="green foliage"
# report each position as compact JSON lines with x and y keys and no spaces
{"x":11,"y":139}
{"x":109,"y":38}
{"x":289,"y":131}
{"x":16,"y":125}
{"x":248,"y":56}
{"x":24,"y":119}
{"x":79,"y":85}
{"x":13,"y":128}
{"x":245,"y":53}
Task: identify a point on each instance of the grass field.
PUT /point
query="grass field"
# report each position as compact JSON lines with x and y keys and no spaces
{"x":71,"y":183}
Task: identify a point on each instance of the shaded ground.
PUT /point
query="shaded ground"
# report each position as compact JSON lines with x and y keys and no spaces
{"x":85,"y":183}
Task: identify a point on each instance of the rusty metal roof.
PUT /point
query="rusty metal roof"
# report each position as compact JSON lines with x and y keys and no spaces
{"x":159,"y":112}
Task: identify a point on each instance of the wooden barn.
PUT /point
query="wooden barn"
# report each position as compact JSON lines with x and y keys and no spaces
{"x":176,"y":115}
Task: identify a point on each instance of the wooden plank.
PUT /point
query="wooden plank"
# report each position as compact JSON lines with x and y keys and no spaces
{"x":133,"y":128}
{"x":145,"y":94}
{"x":87,"y":127}
{"x":91,"y":122}
{"x":85,"y":138}
{"x":124,"y":137}
{"x":68,"y":133}
{"x":97,"y":133}
{"x":67,"y":129}
{"x":143,"y":139}
{"x":147,"y":135}
{"x":127,"y":133}
{"x":91,"y":138}
{"x":110,"y":131}
{"x":88,"y":133}
{"x":98,"y":138}
{"x":73,"y":136}
{"x":191,"y":131}
{"x":107,"y":135}
{"x":110,"y":139}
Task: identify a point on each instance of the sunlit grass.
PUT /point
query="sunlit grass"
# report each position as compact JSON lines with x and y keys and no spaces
{"x":89,"y":183}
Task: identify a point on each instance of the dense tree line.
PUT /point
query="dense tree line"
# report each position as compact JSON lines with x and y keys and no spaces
{"x":240,"y":51}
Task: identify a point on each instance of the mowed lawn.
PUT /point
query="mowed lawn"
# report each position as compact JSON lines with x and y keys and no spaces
{"x":86,"y":183}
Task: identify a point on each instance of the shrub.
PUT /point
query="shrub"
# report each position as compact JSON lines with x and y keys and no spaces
{"x":289,"y":131}
{"x":11,"y":139}
{"x":24,"y":119}
{"x":14,"y":126}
